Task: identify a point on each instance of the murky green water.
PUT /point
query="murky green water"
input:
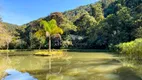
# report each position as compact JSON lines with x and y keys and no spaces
{"x":74,"y":66}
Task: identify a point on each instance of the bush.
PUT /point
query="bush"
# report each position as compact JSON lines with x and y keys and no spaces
{"x":132,"y":49}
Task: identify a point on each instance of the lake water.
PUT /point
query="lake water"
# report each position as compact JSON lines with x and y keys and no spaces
{"x":74,"y":66}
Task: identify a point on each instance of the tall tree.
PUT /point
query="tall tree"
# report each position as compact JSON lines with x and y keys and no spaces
{"x":40,"y":35}
{"x":84,"y":24}
{"x":97,"y":12}
{"x":62,"y":21}
{"x":5,"y":37}
{"x":51,"y":29}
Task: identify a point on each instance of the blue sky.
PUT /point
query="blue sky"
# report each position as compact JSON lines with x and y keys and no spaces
{"x":23,"y":11}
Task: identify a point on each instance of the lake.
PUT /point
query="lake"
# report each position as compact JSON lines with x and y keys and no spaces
{"x":73,"y":66}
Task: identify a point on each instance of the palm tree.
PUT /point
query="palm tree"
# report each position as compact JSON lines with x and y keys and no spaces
{"x":51,"y":29}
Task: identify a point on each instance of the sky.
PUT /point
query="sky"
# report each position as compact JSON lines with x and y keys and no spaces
{"x":23,"y":11}
{"x":16,"y":75}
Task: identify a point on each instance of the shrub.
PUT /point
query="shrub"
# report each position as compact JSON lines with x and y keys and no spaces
{"x":132,"y":49}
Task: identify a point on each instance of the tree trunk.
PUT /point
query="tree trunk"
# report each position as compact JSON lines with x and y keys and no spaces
{"x":49,"y":44}
{"x":50,"y":63}
{"x":7,"y":49}
{"x":7,"y":45}
{"x":39,"y":46}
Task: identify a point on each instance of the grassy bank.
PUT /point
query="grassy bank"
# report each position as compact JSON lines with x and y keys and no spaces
{"x":44,"y":52}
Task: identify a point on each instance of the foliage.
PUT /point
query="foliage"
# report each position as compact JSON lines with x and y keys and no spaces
{"x":40,"y":35}
{"x":97,"y":12}
{"x":62,"y":21}
{"x":73,"y":15}
{"x":67,"y":43}
{"x":106,"y":3}
{"x":10,"y":27}
{"x":84,"y":23}
{"x":5,"y":37}
{"x":131,"y":49}
{"x":138,"y":32}
{"x":50,"y":28}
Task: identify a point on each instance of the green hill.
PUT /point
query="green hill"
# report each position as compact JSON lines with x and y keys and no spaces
{"x":100,"y":25}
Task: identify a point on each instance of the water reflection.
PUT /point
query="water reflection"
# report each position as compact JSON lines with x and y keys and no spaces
{"x":16,"y":75}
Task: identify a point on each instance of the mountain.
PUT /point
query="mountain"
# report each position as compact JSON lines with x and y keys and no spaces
{"x":100,"y":25}
{"x":10,"y":26}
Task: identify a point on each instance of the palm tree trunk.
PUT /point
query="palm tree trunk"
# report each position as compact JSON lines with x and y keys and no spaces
{"x":49,"y":44}
{"x":50,"y":66}
{"x":39,"y":46}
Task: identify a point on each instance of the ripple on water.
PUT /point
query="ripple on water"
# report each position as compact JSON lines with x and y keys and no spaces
{"x":103,"y":68}
{"x":59,"y":77}
{"x":75,"y":71}
{"x":112,"y":76}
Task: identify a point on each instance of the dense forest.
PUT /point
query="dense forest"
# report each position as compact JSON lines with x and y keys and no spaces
{"x":101,"y":25}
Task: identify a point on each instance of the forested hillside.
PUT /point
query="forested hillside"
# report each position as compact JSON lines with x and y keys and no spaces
{"x":100,"y":25}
